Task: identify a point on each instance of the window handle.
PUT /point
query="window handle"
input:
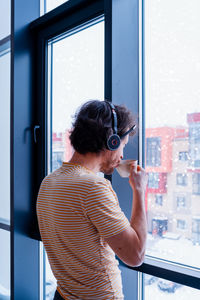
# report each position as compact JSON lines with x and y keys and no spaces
{"x":35,"y":132}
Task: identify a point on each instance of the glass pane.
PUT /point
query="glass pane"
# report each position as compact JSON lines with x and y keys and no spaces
{"x":50,"y":281}
{"x":5,"y":137}
{"x":51,"y":4}
{"x":5,"y":265}
{"x":160,"y":289}
{"x":172,"y":118}
{"x":5,"y":12}
{"x":76,"y":74}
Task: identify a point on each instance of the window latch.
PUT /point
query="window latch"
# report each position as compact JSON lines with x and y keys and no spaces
{"x":35,"y":132}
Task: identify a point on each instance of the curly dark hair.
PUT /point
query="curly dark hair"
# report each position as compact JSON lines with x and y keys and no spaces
{"x":94,"y":124}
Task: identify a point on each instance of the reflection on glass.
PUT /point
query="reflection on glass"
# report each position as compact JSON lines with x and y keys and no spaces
{"x":5,"y":12}
{"x":5,"y":138}
{"x":160,"y":289}
{"x":76,"y":73}
{"x":5,"y":265}
{"x":172,"y":110}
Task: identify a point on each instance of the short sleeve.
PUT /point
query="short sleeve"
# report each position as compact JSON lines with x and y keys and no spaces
{"x":103,"y":210}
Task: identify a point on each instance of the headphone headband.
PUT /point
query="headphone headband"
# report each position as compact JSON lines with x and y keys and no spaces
{"x":114,"y":117}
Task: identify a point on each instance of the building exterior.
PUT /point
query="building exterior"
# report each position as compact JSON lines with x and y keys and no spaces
{"x":62,"y":149}
{"x":173,"y":192}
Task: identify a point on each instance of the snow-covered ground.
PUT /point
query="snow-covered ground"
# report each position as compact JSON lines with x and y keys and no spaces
{"x":176,"y":250}
{"x":152,"y":292}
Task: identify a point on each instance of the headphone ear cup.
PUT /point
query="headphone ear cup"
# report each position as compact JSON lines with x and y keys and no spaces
{"x":113,"y":142}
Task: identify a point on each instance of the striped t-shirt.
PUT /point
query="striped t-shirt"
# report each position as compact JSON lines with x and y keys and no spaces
{"x":76,"y":210}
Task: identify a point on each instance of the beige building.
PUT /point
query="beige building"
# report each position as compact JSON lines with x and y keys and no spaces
{"x":173,"y":192}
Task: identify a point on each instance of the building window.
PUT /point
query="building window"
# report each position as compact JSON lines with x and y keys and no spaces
{"x":196,"y":230}
{"x":194,"y":155}
{"x":180,"y":201}
{"x":183,"y":156}
{"x":181,"y":224}
{"x":153,"y":180}
{"x":194,"y":133}
{"x":159,"y":200}
{"x":196,"y":183}
{"x":181,"y":179}
{"x":194,"y":139}
{"x":153,"y":152}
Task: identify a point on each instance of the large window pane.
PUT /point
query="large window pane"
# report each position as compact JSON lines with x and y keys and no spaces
{"x":5,"y":265}
{"x":172,"y":118}
{"x":76,"y":74}
{"x":160,"y":289}
{"x":5,"y":13}
{"x":5,"y":137}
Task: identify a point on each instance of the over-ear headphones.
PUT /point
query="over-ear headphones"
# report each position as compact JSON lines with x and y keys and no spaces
{"x":113,"y":142}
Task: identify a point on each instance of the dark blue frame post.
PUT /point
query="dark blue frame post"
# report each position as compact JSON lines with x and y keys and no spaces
{"x":125,"y":90}
{"x":24,"y":250}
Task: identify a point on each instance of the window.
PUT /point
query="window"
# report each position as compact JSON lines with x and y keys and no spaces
{"x":181,"y":224}
{"x":5,"y":134}
{"x":5,"y":14}
{"x":153,"y":153}
{"x":196,"y":230}
{"x":170,"y":96}
{"x":194,"y":139}
{"x":181,"y":179}
{"x":172,"y":113}
{"x":5,"y":118}
{"x":180,"y":201}
{"x":153,"y":180}
{"x":183,"y":156}
{"x":194,"y":133}
{"x":159,"y":200}
{"x":5,"y":265}
{"x":196,"y":184}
